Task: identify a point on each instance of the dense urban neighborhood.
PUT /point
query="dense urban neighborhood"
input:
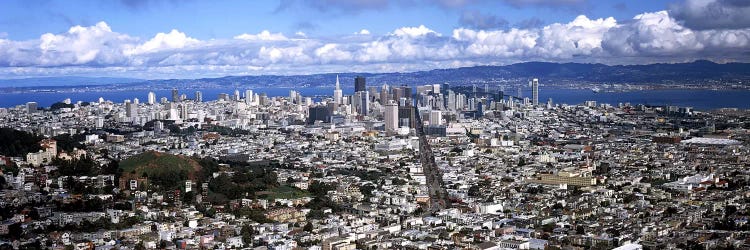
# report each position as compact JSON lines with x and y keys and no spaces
{"x":389,"y":167}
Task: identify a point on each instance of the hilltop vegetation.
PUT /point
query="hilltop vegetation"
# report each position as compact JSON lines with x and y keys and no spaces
{"x":164,"y":171}
{"x":18,"y":143}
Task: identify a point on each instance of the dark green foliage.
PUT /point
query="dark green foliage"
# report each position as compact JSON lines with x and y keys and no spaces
{"x":66,"y":142}
{"x":320,"y":189}
{"x":164,"y":171}
{"x":60,"y":105}
{"x":245,"y":181}
{"x":84,"y":166}
{"x":18,"y":143}
{"x":366,"y":190}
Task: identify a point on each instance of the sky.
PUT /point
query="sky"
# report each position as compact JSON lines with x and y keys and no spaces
{"x":193,"y":39}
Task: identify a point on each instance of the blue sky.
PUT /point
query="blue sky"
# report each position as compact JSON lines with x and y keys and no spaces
{"x":191,"y":38}
{"x":21,"y":20}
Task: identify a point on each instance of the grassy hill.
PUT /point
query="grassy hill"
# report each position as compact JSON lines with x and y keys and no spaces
{"x":165,"y":171}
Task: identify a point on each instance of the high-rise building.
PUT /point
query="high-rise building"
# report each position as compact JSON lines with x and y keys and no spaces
{"x":445,"y":88}
{"x":236,"y":96}
{"x":31,"y":107}
{"x":436,"y":118}
{"x":391,"y":116}
{"x":384,"y":94}
{"x":175,"y":95}
{"x":364,"y":103}
{"x":359,"y":84}
{"x":131,"y":110}
{"x":406,"y":116}
{"x":184,"y":111}
{"x":407,"y":92}
{"x":535,"y":92}
{"x":318,"y":113}
{"x":249,"y":96}
{"x":151,"y":98}
{"x":198,"y":96}
{"x":337,"y":94}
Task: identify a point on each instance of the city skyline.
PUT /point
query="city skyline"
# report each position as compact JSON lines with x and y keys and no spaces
{"x":155,"y":40}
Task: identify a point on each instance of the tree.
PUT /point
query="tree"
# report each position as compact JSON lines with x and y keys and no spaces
{"x":580,"y":229}
{"x":308,"y":227}
{"x":474,"y":191}
{"x":247,"y":234}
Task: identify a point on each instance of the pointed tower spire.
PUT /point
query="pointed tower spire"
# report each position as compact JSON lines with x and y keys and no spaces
{"x":337,"y":82}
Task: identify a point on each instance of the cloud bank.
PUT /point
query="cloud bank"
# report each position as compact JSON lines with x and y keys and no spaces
{"x":99,"y":51}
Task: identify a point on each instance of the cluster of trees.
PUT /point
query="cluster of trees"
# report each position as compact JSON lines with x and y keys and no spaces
{"x":320,"y":200}
{"x":226,"y":131}
{"x":364,"y":175}
{"x":18,"y":143}
{"x":243,"y":182}
{"x":67,"y":142}
{"x":89,"y":205}
{"x":60,"y":105}
{"x":85,"y":166}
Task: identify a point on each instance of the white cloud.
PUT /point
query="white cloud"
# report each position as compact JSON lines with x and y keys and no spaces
{"x":413,"y":32}
{"x":264,"y":35}
{"x":164,"y":41}
{"x":659,"y":34}
{"x":97,"y":50}
{"x":362,"y":32}
{"x":330,"y":53}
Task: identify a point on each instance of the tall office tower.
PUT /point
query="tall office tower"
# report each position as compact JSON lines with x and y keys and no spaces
{"x":183,"y":97}
{"x":236,"y":96}
{"x":384,"y":95}
{"x":359,"y":84}
{"x":436,"y":89}
{"x":198,"y":96}
{"x":407,"y":92}
{"x":175,"y":95}
{"x":184,"y":111}
{"x":391,"y":116}
{"x":436,"y":117}
{"x":486,"y":89}
{"x":549,"y":103}
{"x":163,"y":99}
{"x":364,"y":103}
{"x":474,"y":88}
{"x":337,"y":94}
{"x":520,"y":92}
{"x":451,"y":100}
{"x":480,"y":109}
{"x":248,"y":96}
{"x":445,"y":88}
{"x":535,"y":92}
{"x":373,"y":92}
{"x":131,"y":110}
{"x":406,"y":116}
{"x":500,"y":96}
{"x":397,"y":93}
{"x":151,"y":98}
{"x":31,"y":107}
{"x":136,"y":101}
{"x":318,"y":113}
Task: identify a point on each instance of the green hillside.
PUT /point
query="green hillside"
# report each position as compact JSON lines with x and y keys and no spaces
{"x":164,"y":171}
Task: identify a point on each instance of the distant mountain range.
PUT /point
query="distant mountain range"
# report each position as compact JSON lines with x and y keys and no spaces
{"x":64,"y":81}
{"x":578,"y":72}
